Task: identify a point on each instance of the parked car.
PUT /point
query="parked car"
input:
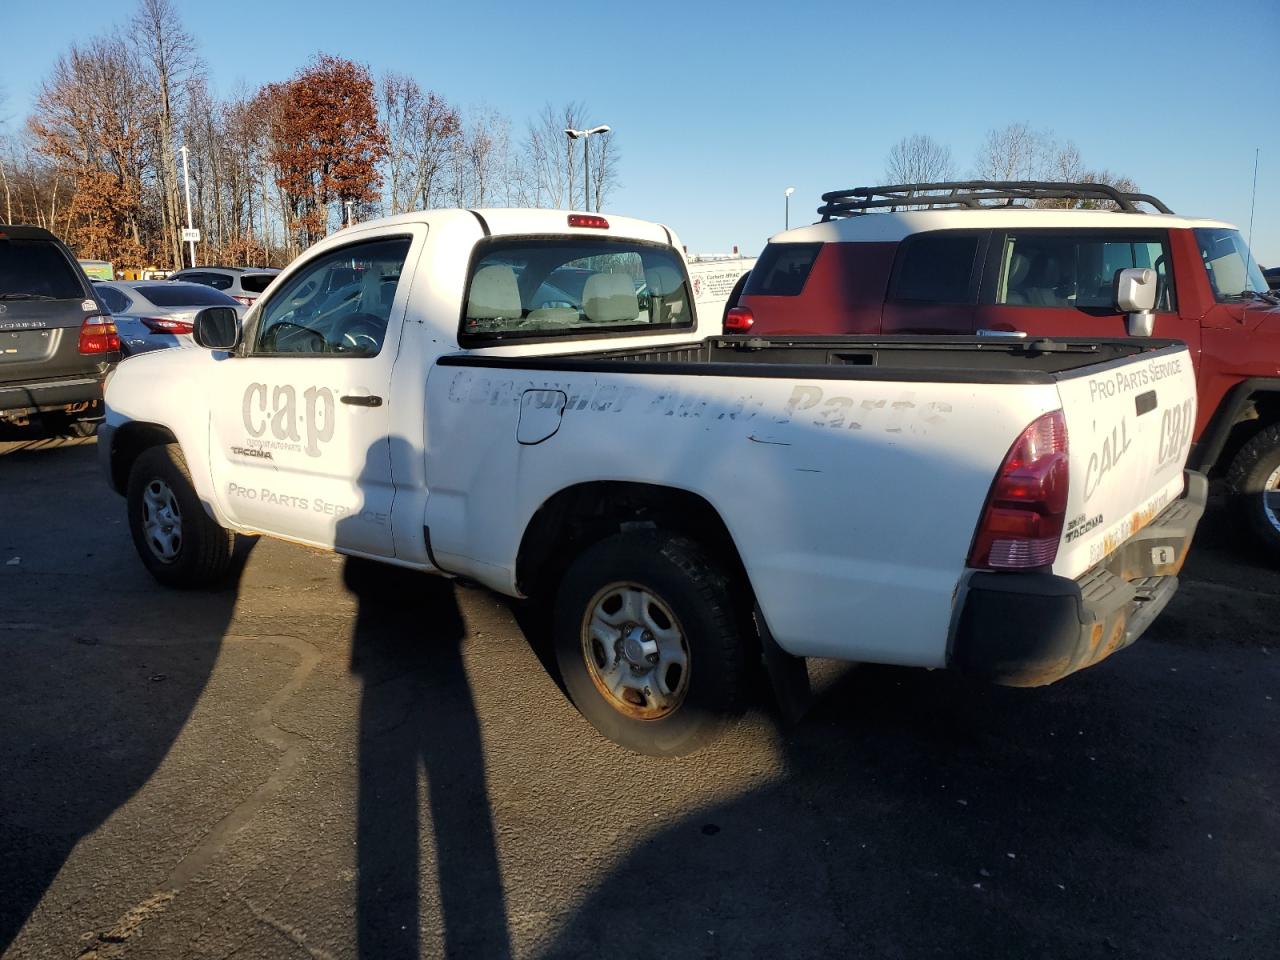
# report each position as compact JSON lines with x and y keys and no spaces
{"x":956,"y":258}
{"x":244,"y":284}
{"x":158,"y":314}
{"x":57,"y":339}
{"x":1272,"y":275}
{"x":1016,"y":510}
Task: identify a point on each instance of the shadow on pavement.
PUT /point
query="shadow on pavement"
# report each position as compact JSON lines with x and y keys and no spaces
{"x":1115,"y":814}
{"x":102,"y":665}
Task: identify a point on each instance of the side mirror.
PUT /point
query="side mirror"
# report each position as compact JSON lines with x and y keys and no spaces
{"x":217,"y":328}
{"x":1135,"y":290}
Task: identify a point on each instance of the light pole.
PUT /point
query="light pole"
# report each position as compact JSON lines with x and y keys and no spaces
{"x":786,"y":195}
{"x":585,"y":137}
{"x":186,"y":179}
{"x":347,"y":204}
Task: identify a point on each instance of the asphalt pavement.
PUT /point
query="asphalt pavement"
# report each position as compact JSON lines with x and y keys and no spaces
{"x":335,"y":760}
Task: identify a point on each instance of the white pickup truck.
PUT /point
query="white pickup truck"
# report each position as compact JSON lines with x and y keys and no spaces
{"x":526,"y":399}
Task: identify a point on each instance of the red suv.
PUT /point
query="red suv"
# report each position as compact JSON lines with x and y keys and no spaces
{"x":1044,"y":259}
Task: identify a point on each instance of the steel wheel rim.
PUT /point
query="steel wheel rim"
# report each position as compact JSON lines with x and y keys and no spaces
{"x":636,"y":651}
{"x":161,"y":520}
{"x":1271,"y":499}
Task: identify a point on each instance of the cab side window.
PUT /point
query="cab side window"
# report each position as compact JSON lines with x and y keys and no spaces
{"x":1076,"y":270}
{"x":339,"y":303}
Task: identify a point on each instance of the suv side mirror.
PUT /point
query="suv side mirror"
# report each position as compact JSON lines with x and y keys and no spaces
{"x":1135,"y":289}
{"x":217,"y":328}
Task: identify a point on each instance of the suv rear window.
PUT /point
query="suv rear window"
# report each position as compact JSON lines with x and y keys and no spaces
{"x":782,"y":270}
{"x":936,"y":268}
{"x":256,"y":282}
{"x":36,"y":270}
{"x":180,"y":294}
{"x":571,"y":286}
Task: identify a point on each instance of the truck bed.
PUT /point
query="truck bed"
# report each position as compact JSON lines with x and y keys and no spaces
{"x":935,"y":359}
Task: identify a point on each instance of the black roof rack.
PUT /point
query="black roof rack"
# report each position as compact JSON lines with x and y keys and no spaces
{"x":974,"y":194}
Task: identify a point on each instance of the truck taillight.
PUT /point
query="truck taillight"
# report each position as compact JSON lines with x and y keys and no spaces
{"x":588,"y":220}
{"x":98,"y":335}
{"x":739,"y":320}
{"x":165,"y":325}
{"x":1022,"y":520}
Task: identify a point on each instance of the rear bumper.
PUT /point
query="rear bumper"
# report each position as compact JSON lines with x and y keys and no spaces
{"x":23,"y":399}
{"x":1026,"y":630}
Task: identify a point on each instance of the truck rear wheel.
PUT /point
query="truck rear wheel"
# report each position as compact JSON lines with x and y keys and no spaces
{"x":647,"y":643}
{"x":1254,"y":480}
{"x":177,"y":541}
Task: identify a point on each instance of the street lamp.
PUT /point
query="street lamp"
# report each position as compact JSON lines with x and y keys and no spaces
{"x":786,"y":195}
{"x":585,"y":137}
{"x":347,"y":204}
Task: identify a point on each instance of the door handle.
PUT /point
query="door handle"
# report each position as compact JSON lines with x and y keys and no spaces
{"x":358,"y":401}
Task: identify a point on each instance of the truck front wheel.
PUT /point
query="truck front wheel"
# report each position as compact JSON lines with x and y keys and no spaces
{"x":177,"y":541}
{"x":647,"y":643}
{"x":1254,"y":480}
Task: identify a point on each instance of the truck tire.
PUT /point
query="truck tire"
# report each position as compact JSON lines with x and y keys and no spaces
{"x":1254,"y":482}
{"x":647,"y":643}
{"x":178,"y":542}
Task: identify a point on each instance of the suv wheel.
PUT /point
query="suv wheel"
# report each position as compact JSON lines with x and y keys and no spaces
{"x":1254,"y":480}
{"x":648,"y":645}
{"x":177,"y":541}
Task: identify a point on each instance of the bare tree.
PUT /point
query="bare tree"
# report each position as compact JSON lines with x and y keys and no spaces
{"x":918,"y":159}
{"x":604,"y":162}
{"x":421,"y":128}
{"x":169,"y":53}
{"x":1014,"y":152}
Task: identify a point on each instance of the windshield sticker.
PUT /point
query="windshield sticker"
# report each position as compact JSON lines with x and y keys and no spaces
{"x":88,"y":306}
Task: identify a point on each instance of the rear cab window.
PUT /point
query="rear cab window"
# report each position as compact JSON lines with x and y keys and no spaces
{"x":37,"y":270}
{"x":546,"y":288}
{"x":1074,"y":269}
{"x":782,"y":270}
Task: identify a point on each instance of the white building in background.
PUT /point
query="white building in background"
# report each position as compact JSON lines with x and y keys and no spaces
{"x":714,"y":277}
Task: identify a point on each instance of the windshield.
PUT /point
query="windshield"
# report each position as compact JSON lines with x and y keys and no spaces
{"x":256,"y":282}
{"x":37,"y":270}
{"x":170,"y":294}
{"x":558,"y":287}
{"x":1232,"y":270}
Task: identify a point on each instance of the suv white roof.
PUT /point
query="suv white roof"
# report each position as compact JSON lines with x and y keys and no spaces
{"x":893,"y":226}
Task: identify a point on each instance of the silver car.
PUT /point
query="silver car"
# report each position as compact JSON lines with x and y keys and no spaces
{"x":155,"y":314}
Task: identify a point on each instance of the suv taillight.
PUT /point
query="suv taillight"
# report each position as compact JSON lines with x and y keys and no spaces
{"x":247,"y":301}
{"x":739,"y":320}
{"x":165,"y":325}
{"x":98,"y":335}
{"x":1022,"y":520}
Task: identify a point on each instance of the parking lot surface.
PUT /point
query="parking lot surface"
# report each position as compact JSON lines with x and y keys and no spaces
{"x":328,"y":759}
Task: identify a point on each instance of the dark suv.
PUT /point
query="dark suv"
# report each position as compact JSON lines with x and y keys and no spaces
{"x":57,"y":339}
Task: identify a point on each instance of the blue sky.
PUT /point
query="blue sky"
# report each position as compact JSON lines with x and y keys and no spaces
{"x":718,"y":108}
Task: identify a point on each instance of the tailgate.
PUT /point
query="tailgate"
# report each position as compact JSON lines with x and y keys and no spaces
{"x":40,"y":339}
{"x":1129,"y":426}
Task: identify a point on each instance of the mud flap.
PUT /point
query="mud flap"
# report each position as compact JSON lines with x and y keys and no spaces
{"x":788,"y":675}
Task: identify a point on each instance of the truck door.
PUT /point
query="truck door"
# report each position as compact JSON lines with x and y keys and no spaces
{"x":300,"y":422}
{"x":1059,"y":283}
